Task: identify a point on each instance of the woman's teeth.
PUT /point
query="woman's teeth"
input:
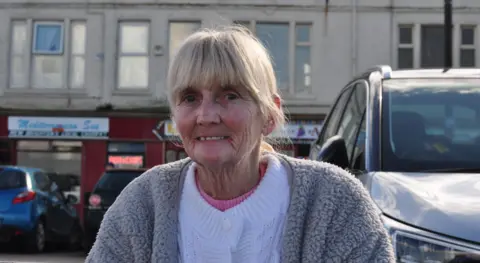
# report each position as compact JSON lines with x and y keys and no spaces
{"x":212,"y":138}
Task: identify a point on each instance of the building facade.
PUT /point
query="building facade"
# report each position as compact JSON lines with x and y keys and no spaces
{"x":83,"y":81}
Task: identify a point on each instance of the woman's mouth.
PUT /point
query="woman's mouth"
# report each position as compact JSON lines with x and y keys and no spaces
{"x":212,"y":138}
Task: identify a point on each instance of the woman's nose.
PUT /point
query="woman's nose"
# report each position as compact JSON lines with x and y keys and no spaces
{"x":208,"y":113}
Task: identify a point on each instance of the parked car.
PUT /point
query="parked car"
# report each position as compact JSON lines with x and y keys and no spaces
{"x":104,"y":193}
{"x":34,"y":211}
{"x":412,"y":137}
{"x":68,"y":184}
{"x":65,"y":182}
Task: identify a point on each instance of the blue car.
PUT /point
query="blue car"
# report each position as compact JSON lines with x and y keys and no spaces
{"x":34,"y":211}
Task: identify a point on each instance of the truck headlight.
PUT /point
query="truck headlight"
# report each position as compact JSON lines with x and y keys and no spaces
{"x":413,"y":245}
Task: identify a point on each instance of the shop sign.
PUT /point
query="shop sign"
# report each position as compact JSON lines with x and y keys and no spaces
{"x":58,"y":127}
{"x":307,"y":131}
{"x":126,"y":161}
{"x":170,"y":129}
{"x":298,"y":131}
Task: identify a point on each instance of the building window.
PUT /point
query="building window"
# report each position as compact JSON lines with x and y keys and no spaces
{"x":302,"y":57}
{"x":126,"y":155}
{"x":405,"y":47}
{"x":275,"y":37}
{"x":18,"y":55}
{"x":48,"y":38}
{"x":133,"y":55}
{"x":467,"y":46}
{"x":42,"y":66}
{"x":287,"y":43}
{"x":179,"y":31}
{"x":77,"y":62}
{"x":432,"y":46}
{"x":62,"y":160}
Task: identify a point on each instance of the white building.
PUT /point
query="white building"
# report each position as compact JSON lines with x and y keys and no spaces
{"x":65,"y":58}
{"x":117,"y":51}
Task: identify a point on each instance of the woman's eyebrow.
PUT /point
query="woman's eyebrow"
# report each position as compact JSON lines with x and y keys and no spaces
{"x":186,"y":90}
{"x":233,"y":88}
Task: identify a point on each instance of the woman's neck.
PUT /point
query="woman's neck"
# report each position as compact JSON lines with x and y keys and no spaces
{"x":231,"y":182}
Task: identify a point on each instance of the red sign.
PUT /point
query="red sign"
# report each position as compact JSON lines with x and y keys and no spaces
{"x":126,"y":160}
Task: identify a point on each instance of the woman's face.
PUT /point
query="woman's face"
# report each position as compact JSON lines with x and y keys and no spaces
{"x":218,"y":125}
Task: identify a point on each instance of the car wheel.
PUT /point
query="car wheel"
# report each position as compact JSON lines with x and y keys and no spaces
{"x":76,"y":238}
{"x":36,"y":241}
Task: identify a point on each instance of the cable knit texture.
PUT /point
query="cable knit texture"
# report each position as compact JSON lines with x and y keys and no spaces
{"x":331,"y":218}
{"x":248,"y":232}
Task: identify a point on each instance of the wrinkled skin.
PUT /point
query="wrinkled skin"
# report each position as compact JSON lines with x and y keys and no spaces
{"x":227,"y":167}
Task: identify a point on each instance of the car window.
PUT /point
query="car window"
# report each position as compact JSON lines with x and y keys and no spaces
{"x":116,"y":180}
{"x":330,"y":127}
{"x":42,"y":180}
{"x":358,"y":157}
{"x":352,"y":117}
{"x":12,"y":179}
{"x":430,"y":124}
{"x":59,"y":195}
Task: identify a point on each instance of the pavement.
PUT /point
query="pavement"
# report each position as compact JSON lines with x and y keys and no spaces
{"x":47,"y":257}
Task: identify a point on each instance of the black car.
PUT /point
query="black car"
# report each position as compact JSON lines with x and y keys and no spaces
{"x":104,"y":193}
{"x":412,"y":137}
{"x":65,"y":182}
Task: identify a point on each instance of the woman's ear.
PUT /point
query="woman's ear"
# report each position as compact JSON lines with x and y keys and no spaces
{"x":277,"y":101}
{"x":269,"y":127}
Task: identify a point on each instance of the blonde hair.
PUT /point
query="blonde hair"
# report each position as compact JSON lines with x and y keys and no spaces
{"x":228,"y":56}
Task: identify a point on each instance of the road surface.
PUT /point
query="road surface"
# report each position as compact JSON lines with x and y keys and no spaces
{"x":48,"y":257}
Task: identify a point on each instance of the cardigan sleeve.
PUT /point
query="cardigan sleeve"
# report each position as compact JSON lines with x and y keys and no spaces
{"x":357,"y":234}
{"x":124,"y":229}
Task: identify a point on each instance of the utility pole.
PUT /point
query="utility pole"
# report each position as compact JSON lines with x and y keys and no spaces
{"x":448,"y":27}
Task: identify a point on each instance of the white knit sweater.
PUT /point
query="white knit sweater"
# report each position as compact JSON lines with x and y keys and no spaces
{"x":249,"y":232}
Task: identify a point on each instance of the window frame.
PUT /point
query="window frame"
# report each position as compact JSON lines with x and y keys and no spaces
{"x":119,"y":54}
{"x":169,"y":44}
{"x":28,"y":57}
{"x":308,"y":44}
{"x":409,"y":46}
{"x":463,"y":47}
{"x":361,"y":85}
{"x":36,"y":25}
{"x":72,"y":55}
{"x":347,"y":91}
{"x":25,"y":56}
{"x":416,"y":25}
{"x":290,"y":91}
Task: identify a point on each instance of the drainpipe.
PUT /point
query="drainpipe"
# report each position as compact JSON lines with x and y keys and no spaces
{"x":354,"y":35}
{"x":448,"y":33}
{"x":393,"y":30}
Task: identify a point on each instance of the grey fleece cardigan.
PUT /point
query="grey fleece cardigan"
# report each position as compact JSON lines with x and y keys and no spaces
{"x":331,"y":218}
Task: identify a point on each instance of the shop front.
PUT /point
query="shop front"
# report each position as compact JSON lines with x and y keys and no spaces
{"x":293,"y":140}
{"x":76,"y":150}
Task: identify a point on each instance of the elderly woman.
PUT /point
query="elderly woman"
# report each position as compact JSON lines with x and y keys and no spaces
{"x":235,"y":199}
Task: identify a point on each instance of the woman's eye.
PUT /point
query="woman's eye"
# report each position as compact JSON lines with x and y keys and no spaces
{"x":189,"y":98}
{"x":231,"y":96}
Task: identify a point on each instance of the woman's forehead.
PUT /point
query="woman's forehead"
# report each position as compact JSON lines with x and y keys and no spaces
{"x":216,"y":87}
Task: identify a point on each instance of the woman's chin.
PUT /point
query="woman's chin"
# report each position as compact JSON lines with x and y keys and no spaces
{"x":212,"y":159}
